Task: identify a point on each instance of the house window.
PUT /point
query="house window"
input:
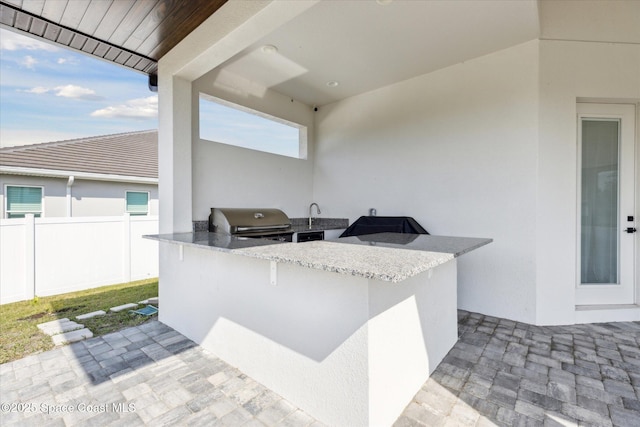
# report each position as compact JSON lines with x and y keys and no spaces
{"x":137,"y":202}
{"x":23,"y":200}
{"x":231,"y":124}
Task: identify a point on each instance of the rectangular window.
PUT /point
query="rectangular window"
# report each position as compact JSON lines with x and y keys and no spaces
{"x":599,"y":210}
{"x":22,"y":201}
{"x":231,"y":124}
{"x":137,"y":202}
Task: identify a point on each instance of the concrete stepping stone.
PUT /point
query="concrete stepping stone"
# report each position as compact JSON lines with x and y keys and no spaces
{"x":72,"y":336}
{"x":153,"y":300}
{"x":90,"y":315}
{"x":59,"y":326}
{"x":123,"y":307}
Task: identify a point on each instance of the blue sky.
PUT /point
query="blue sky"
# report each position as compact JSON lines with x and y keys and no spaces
{"x":234,"y":127}
{"x":49,"y":93}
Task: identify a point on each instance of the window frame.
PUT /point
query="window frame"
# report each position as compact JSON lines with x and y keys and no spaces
{"x":7,"y":212}
{"x":303,"y":131}
{"x":126,"y":202}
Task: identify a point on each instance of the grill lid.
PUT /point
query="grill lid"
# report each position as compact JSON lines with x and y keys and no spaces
{"x":236,"y":220}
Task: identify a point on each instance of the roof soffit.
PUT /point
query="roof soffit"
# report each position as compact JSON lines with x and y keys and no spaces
{"x":134,"y":34}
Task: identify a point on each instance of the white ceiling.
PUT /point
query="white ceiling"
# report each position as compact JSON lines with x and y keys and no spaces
{"x":367,"y":44}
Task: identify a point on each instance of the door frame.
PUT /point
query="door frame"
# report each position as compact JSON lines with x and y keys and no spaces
{"x":625,"y":292}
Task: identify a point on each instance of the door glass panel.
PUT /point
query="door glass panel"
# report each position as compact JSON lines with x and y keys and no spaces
{"x":599,"y":210}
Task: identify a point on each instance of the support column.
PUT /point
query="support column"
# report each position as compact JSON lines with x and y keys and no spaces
{"x":174,"y":153}
{"x":234,"y":27}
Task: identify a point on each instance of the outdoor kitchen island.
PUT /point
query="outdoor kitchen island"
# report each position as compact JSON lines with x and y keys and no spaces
{"x":348,"y":330}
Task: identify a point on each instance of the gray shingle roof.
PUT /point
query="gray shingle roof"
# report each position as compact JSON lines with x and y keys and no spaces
{"x":127,"y":154}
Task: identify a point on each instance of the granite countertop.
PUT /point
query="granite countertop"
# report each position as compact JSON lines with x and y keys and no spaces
{"x":418,"y":242}
{"x":389,"y":257}
{"x":381,"y":263}
{"x":212,"y":241}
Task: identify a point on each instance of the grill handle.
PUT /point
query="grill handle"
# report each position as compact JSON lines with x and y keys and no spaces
{"x":240,"y":229}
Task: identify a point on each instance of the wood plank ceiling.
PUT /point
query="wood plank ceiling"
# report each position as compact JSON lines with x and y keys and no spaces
{"x":131,"y":33}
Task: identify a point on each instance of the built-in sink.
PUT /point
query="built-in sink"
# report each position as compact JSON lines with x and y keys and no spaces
{"x":309,"y":236}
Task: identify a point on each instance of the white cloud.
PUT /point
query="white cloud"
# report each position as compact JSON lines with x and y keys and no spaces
{"x":76,"y":92}
{"x":39,"y":90}
{"x":29,"y":62}
{"x":141,"y":108}
{"x":68,"y":91}
{"x":69,"y":60}
{"x":12,"y":41}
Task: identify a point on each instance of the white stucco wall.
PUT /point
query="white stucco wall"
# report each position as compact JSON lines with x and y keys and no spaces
{"x":349,"y":351}
{"x":571,"y":71}
{"x":455,"y":149}
{"x":89,"y":198}
{"x":229,"y":176}
{"x":485,"y":148}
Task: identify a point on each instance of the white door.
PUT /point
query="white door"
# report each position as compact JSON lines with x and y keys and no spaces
{"x":606,"y":204}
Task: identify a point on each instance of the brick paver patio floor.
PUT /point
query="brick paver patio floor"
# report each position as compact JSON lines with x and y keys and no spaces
{"x":499,"y":373}
{"x":508,"y":373}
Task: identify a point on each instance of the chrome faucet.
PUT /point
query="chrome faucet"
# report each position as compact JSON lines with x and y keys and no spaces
{"x":311,"y":212}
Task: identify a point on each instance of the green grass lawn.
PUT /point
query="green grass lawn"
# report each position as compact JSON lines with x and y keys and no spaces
{"x":19,"y":335}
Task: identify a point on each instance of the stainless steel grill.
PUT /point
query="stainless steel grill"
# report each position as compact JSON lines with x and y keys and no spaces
{"x":255,"y":223}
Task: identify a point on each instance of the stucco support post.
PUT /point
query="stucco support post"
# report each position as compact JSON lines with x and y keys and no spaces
{"x":174,"y":153}
{"x":234,"y":27}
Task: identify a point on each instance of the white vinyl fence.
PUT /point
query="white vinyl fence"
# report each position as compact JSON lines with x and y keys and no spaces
{"x":49,"y":256}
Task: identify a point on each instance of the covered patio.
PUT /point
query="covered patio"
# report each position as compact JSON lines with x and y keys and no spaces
{"x":463,"y":115}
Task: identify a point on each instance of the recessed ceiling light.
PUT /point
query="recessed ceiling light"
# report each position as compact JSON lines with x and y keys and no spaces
{"x":332,"y":83}
{"x":269,"y":49}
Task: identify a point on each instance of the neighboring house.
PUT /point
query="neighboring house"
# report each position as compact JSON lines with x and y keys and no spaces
{"x":472,"y":117}
{"x":97,"y":176}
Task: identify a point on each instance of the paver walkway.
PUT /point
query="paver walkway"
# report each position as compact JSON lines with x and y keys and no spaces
{"x":499,"y":373}
{"x":65,"y":331}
